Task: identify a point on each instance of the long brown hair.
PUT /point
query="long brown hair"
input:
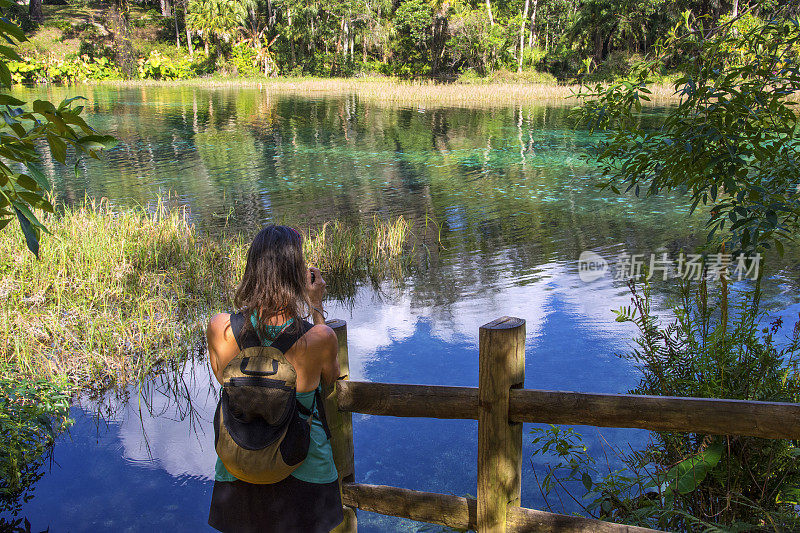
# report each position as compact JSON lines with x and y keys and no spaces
{"x":274,"y":281}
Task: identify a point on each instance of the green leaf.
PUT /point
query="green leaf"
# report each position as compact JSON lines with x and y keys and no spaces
{"x":12,"y":30}
{"x":10,"y":53}
{"x":6,"y":99}
{"x":58,"y":148}
{"x":37,"y":174}
{"x":23,"y":180}
{"x":5,"y":74}
{"x":587,"y":481}
{"x":19,"y":206}
{"x":687,"y":475}
{"x":36,"y":200}
{"x":97,"y":142}
{"x":43,"y":106}
{"x":30,"y":232}
{"x":67,"y":101}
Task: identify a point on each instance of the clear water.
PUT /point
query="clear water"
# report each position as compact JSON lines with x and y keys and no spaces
{"x":515,"y":200}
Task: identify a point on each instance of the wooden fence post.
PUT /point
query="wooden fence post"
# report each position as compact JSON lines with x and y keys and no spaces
{"x":341,"y":426}
{"x":501,"y":366}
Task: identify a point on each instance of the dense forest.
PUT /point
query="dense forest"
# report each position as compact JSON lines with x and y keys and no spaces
{"x":527,"y":40}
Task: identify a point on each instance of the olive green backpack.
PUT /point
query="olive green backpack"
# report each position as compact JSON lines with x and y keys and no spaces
{"x":258,"y":432}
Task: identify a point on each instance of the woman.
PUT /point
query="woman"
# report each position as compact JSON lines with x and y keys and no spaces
{"x":276,"y":291}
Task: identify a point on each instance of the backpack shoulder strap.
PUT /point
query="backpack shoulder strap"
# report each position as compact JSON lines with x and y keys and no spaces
{"x":291,"y":335}
{"x":320,"y":405}
{"x":244,"y":334}
{"x":322,"y":416}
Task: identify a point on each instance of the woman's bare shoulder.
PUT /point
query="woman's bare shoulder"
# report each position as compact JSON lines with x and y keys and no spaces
{"x":219,"y":327}
{"x":319,"y":342}
{"x":323,"y":335}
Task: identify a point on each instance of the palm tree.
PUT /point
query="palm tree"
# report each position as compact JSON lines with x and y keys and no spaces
{"x":217,"y":20}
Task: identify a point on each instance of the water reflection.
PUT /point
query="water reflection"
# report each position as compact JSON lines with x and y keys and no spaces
{"x":516,"y":206}
{"x":157,"y":441}
{"x":261,"y":157}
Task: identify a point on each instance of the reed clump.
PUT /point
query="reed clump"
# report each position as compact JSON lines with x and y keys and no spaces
{"x":115,"y":294}
{"x":120,"y":293}
{"x":378,"y":249}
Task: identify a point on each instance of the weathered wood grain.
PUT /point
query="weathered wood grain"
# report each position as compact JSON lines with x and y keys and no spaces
{"x":773,"y":420}
{"x":442,"y":509}
{"x":501,"y":366}
{"x":462,"y":513}
{"x":340,"y":423}
{"x":391,"y":399}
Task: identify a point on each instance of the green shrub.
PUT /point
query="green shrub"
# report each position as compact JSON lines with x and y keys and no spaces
{"x":471,"y":77}
{"x":32,"y":414}
{"x":244,"y":59}
{"x":160,"y":67}
{"x":29,"y":71}
{"x":35,"y":70}
{"x":562,"y":61}
{"x":532,"y":57}
{"x":204,"y":64}
{"x":714,"y":348}
{"x":616,"y":66}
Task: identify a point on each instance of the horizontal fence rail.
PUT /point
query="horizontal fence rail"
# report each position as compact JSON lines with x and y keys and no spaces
{"x":500,"y":404}
{"x":461,"y":513}
{"x":771,"y":420}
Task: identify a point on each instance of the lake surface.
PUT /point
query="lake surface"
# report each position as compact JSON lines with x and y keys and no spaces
{"x":514,"y":197}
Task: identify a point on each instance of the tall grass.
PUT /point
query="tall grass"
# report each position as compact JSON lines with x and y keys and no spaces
{"x":121,"y":292}
{"x":116,"y":293}
{"x":401,"y":92}
{"x":349,"y":254}
{"x":373,"y":248}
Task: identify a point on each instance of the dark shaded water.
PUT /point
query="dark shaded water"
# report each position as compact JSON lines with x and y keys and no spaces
{"x":516,"y":205}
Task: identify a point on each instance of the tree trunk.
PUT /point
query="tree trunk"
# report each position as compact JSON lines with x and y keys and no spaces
{"x":291,"y":39}
{"x":735,"y":8}
{"x":35,"y":11}
{"x":522,"y":36}
{"x":345,"y":38}
{"x":177,"y":31}
{"x":598,"y":46}
{"x":165,"y":8}
{"x":532,"y":34}
{"x":546,"y":36}
{"x":188,"y":31}
{"x":126,"y":55}
{"x":489,"y":11}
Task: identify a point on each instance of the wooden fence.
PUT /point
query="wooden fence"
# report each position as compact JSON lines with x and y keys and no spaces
{"x":500,"y":405}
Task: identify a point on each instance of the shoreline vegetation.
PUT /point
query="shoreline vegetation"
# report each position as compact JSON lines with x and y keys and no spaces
{"x":492,"y":93}
{"x":121,"y":293}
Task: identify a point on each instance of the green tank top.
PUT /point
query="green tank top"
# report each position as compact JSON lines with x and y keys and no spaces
{"x":318,"y":466}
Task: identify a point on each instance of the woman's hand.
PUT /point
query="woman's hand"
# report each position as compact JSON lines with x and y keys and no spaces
{"x":316,"y":292}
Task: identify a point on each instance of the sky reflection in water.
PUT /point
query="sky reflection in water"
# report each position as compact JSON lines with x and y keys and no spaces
{"x":516,"y":205}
